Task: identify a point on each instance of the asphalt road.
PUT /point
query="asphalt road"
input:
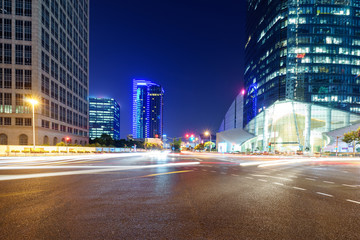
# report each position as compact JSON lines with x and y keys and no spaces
{"x":179,"y":196}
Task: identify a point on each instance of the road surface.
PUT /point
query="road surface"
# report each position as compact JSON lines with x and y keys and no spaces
{"x":179,"y":196}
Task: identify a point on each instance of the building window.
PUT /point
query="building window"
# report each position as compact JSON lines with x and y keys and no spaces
{"x":7,"y":78}
{"x":3,"y":138}
{"x":45,"y":107}
{"x":5,"y":103}
{"x":7,"y":28}
{"x":6,"y":7}
{"x":27,"y":80}
{"x":7,"y":121}
{"x":45,"y":85}
{"x":19,"y":121}
{"x":23,"y":139}
{"x":19,"y":79}
{"x":28,"y":53}
{"x":28,"y":32}
{"x":19,"y":30}
{"x":45,"y":124}
{"x":7,"y":54}
{"x":19,"y":54}
{"x":28,"y":122}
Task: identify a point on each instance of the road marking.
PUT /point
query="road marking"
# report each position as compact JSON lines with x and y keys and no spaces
{"x":212,"y":171}
{"x":281,"y":178}
{"x":223,"y":173}
{"x":349,"y":200}
{"x":166,"y":173}
{"x":346,"y":185}
{"x":310,"y":179}
{"x":325,"y":194}
{"x":293,"y":176}
{"x":298,"y":188}
{"x":249,"y":177}
{"x":235,"y":175}
{"x":281,"y":184}
{"x":328,"y":182}
{"x":262,"y":180}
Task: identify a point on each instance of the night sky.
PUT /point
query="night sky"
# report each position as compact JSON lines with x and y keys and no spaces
{"x":193,"y":48}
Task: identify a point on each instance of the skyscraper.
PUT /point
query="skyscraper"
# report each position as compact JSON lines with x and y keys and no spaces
{"x":147,"y":109}
{"x":104,"y":117}
{"x":44,"y":47}
{"x":302,"y":68}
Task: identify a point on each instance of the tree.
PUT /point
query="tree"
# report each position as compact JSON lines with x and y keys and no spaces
{"x":209,"y":145}
{"x":352,"y":137}
{"x":199,"y":146}
{"x":176,"y":145}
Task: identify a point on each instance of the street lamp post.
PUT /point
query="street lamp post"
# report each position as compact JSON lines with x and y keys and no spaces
{"x":33,"y":102}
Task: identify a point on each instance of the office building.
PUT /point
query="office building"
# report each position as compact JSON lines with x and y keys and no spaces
{"x":104,"y":117}
{"x":302,"y":72}
{"x":44,"y":47}
{"x":147,"y":109}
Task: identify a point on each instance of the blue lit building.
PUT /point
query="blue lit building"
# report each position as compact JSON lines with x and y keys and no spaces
{"x":302,"y":72}
{"x":104,"y":118}
{"x":147,"y":109}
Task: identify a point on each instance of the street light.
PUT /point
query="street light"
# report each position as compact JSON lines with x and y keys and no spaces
{"x":33,"y":102}
{"x":207,"y":133}
{"x":67,"y":139}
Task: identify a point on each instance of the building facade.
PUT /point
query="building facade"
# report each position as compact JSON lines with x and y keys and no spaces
{"x":104,"y":117}
{"x":44,"y":47}
{"x":302,"y":59}
{"x":147,"y":109}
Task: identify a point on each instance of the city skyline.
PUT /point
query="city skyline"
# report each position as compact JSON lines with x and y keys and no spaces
{"x":197,"y":59}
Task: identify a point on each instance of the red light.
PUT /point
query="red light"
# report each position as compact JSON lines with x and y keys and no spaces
{"x":187,"y":135}
{"x":67,"y":139}
{"x":156,"y":135}
{"x":243,"y":92}
{"x":300,"y":55}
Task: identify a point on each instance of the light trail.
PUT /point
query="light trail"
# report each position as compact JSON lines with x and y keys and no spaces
{"x":94,"y":169}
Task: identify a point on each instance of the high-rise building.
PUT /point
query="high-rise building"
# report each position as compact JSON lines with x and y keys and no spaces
{"x":44,"y":49}
{"x":104,"y":117}
{"x":302,"y":72}
{"x":147,"y":109}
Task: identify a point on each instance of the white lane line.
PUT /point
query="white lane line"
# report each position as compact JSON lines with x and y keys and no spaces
{"x":267,"y":176}
{"x":293,"y":177}
{"x":349,"y":200}
{"x":310,"y":179}
{"x":204,"y":170}
{"x":235,"y":175}
{"x":198,"y":159}
{"x":278,"y":183}
{"x":212,"y":171}
{"x":262,"y":180}
{"x":298,"y":188}
{"x":223,"y":173}
{"x":249,"y":177}
{"x":346,"y":185}
{"x":324,"y":194}
{"x":328,"y":182}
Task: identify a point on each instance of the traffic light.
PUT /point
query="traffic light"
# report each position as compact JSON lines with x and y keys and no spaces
{"x":187,"y":135}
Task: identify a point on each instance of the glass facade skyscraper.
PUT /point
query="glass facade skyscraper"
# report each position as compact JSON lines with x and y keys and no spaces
{"x":44,"y":52}
{"x":302,"y":73}
{"x":303,"y":50}
{"x":147,"y":109}
{"x":104,"y":117}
